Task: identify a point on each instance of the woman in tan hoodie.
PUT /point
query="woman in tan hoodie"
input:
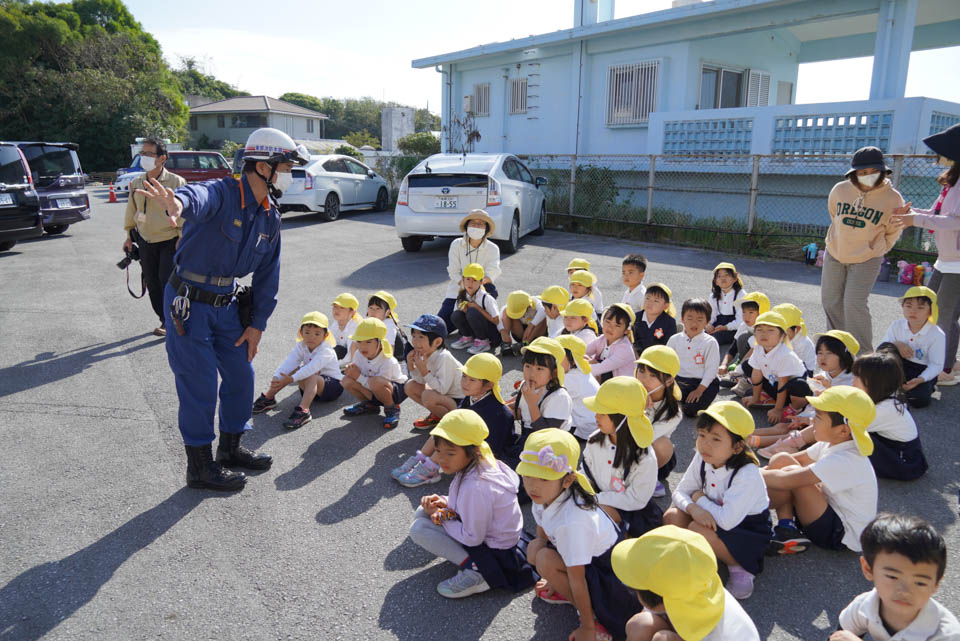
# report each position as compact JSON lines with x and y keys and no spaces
{"x":861,"y":232}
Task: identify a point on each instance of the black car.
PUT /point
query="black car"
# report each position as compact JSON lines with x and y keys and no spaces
{"x":19,"y":203}
{"x":59,"y":181}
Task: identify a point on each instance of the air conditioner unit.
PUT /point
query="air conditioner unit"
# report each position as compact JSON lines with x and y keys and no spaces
{"x":468,"y":104}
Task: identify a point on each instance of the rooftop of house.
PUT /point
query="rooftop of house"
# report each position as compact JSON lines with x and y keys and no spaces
{"x":256,"y":104}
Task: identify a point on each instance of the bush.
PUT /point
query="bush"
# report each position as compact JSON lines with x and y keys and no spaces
{"x":229,"y":149}
{"x":362,"y":138}
{"x":419,"y":144}
{"x":347,"y":150}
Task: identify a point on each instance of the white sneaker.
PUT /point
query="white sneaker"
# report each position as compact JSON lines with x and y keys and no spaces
{"x":479,"y":346}
{"x":465,"y":583}
{"x":743,"y":387}
{"x":946,"y":380}
{"x":462,"y":343}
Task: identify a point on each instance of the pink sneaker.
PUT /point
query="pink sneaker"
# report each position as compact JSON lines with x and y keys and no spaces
{"x":552,"y":599}
{"x":790,"y":444}
{"x":740,"y":584}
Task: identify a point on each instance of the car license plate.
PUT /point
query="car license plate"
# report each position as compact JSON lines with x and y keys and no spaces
{"x":445,"y":202}
{"x":63,"y":203}
{"x":6,"y":199}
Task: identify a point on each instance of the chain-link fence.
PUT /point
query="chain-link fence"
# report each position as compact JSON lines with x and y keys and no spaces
{"x":751,"y":204}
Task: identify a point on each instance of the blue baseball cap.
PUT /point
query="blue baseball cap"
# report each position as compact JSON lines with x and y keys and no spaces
{"x":430,"y":324}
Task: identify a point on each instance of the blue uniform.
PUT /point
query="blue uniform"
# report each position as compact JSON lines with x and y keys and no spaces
{"x":228,"y":233}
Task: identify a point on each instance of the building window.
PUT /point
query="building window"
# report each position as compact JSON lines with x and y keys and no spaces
{"x":726,"y":87}
{"x":220,"y":122}
{"x":518,"y":96}
{"x":632,"y":91}
{"x":309,"y":125}
{"x":193,"y":123}
{"x":247,"y":121}
{"x":758,"y":88}
{"x":481,"y":99}
{"x":784,"y":93}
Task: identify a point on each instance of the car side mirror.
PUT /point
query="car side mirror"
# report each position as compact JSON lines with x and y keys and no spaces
{"x":371,"y":173}
{"x":540,"y":180}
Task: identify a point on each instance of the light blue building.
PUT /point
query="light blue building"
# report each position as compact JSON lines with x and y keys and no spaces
{"x":702,"y":77}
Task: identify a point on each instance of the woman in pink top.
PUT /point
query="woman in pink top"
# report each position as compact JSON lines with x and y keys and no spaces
{"x":611,"y":354}
{"x":944,"y":219}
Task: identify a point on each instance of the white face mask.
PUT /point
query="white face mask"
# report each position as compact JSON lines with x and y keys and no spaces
{"x":476,"y":233}
{"x":148,"y":163}
{"x":284,"y":180}
{"x":943,"y":161}
{"x":869,"y":180}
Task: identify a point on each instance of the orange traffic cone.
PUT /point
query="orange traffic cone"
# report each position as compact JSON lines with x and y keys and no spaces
{"x":113,"y":194}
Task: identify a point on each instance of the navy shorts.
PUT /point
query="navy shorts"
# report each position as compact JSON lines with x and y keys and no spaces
{"x":399,"y":393}
{"x":332,"y":389}
{"x":827,"y":531}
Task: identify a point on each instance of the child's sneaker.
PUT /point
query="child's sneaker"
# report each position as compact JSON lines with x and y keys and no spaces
{"x":426,"y":421}
{"x":728,"y":381}
{"x":405,"y":467}
{"x":740,"y":584}
{"x":262,"y":404}
{"x":507,"y":349}
{"x":363,"y":407}
{"x":419,"y":475}
{"x":659,"y":490}
{"x":463,"y":343}
{"x":391,"y":417}
{"x":298,"y":418}
{"x":743,"y":387}
{"x":787,"y":540}
{"x":552,"y":599}
{"x":791,"y":444}
{"x":465,"y":583}
{"x":479,"y":346}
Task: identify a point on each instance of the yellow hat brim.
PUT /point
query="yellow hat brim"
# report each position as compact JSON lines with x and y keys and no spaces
{"x":478,"y":375}
{"x":695,"y":618}
{"x":860,"y":435}
{"x":539,"y":349}
{"x":458,"y":439}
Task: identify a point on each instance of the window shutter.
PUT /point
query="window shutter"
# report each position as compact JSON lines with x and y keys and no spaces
{"x":632,"y":92}
{"x":758,"y":89}
{"x":481,"y":99}
{"x":518,"y":96}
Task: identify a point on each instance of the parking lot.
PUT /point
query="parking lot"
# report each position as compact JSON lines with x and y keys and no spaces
{"x":101,"y":540}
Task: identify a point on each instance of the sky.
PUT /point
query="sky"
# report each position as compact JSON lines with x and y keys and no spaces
{"x":364,"y":47}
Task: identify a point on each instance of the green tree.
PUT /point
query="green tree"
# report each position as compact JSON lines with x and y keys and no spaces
{"x":347,"y":150}
{"x":419,"y":144}
{"x":360,"y":138}
{"x":193,"y":81}
{"x":423,"y":120}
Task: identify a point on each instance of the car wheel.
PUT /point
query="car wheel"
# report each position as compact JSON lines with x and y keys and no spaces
{"x":511,"y":245}
{"x":331,"y":207}
{"x":7,"y":245}
{"x":382,"y":198}
{"x":542,"y":225}
{"x":53,"y":230}
{"x":412,"y":244}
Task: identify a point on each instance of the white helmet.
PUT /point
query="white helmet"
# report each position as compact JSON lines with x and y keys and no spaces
{"x":273,"y":146}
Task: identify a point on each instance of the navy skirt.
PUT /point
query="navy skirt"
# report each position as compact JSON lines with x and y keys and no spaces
{"x":668,"y":467}
{"x":748,"y":541}
{"x":505,"y":568}
{"x":903,"y":461}
{"x":726,"y":336}
{"x":613,"y":603}
{"x":639,"y":522}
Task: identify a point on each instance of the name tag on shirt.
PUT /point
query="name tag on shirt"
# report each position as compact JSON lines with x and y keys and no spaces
{"x":698,"y":359}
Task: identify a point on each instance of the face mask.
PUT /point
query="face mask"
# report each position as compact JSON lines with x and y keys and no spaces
{"x":284,"y":180}
{"x":869,"y":180}
{"x":148,"y":163}
{"x":476,"y":233}
{"x":943,"y":161}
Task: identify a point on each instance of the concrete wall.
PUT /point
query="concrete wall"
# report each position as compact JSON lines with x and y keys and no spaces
{"x":395,"y":123}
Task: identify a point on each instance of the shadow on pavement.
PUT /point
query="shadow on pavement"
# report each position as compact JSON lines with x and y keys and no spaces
{"x":398,"y":271}
{"x":39,"y":599}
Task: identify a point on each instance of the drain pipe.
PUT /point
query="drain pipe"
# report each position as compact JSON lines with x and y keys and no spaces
{"x":447,"y":116}
{"x":576,"y":139}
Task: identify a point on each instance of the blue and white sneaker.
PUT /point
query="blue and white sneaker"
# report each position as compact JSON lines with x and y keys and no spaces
{"x":419,"y":475}
{"x":405,"y":467}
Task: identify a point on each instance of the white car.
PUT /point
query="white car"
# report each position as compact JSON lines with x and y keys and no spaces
{"x":122,"y":186}
{"x":442,"y":189}
{"x":332,"y":184}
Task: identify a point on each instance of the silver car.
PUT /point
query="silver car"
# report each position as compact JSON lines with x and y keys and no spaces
{"x":442,"y":189}
{"x":333,"y":183}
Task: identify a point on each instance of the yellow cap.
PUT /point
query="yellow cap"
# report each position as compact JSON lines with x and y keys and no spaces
{"x":320,"y":320}
{"x":680,"y":566}
{"x":918,"y":291}
{"x":851,"y":343}
{"x":624,"y":395}
{"x":792,"y":316}
{"x":632,"y":315}
{"x":578,"y":348}
{"x":551,"y":454}
{"x":389,"y":299}
{"x":347,"y":300}
{"x":370,"y":328}
{"x":582,"y":307}
{"x":579,"y":263}
{"x":585,"y":278}
{"x":857,"y":408}
{"x":731,"y":268}
{"x":556,"y":295}
{"x":755,"y":297}
{"x":551,"y":347}
{"x":518,"y":303}
{"x":474,"y":271}
{"x":733,"y":416}
{"x":485,"y":367}
{"x":463,"y":428}
{"x":663,"y":359}
{"x":671,"y":308}
{"x":773,"y":319}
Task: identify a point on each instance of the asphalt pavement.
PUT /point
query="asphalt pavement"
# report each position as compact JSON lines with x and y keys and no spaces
{"x":100,"y":539}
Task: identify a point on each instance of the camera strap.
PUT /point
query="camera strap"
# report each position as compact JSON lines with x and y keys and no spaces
{"x":143,"y":283}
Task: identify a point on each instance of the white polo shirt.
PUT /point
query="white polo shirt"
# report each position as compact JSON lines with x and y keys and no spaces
{"x":579,"y":535}
{"x":933,"y":623}
{"x":806,"y":350}
{"x":729,"y":502}
{"x":342,"y":336}
{"x":726,"y":306}
{"x":558,"y":405}
{"x":580,"y":386}
{"x":533,"y":316}
{"x":699,"y":356}
{"x":929,"y":345}
{"x":892,"y":423}
{"x":634,"y":298}
{"x":486,"y":301}
{"x":443,"y":374}
{"x":586,"y":334}
{"x":322,"y":360}
{"x":735,"y":624}
{"x":849,"y":484}
{"x":631,"y":492}
{"x":461,"y":254}
{"x":554,"y":326}
{"x":380,"y":365}
{"x":778,"y":362}
{"x":665,"y":426}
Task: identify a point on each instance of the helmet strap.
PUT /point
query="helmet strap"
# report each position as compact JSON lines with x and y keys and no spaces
{"x":271,"y":188}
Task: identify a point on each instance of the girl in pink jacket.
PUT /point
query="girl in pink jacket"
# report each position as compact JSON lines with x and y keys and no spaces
{"x":611,"y":354}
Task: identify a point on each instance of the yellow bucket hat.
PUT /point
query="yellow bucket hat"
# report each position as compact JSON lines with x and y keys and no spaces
{"x":578,"y":348}
{"x":851,"y":343}
{"x":370,"y":328}
{"x":551,"y":347}
{"x":556,"y":295}
{"x":517,"y":304}
{"x":857,"y":408}
{"x":773,"y":319}
{"x":585,"y":278}
{"x":320,"y":320}
{"x":478,"y":214}
{"x":632,"y":315}
{"x":733,"y":416}
{"x":663,"y":359}
{"x":474,"y":271}
{"x":579,"y":263}
{"x":582,"y":307}
{"x":389,"y":299}
{"x":915,"y":292}
{"x":485,"y":367}
{"x":624,"y":395}
{"x":731,"y":268}
{"x":349,"y":301}
{"x":680,"y":566}
{"x":792,"y":315}
{"x":671,"y":308}
{"x":755,"y":297}
{"x":463,"y":428}
{"x":551,"y":454}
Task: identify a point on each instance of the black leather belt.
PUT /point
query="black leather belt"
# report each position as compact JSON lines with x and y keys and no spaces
{"x":216,"y":281}
{"x":194,"y":293}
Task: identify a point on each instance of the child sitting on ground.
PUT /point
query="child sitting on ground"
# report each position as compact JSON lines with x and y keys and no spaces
{"x":383,"y":305}
{"x":434,"y":372}
{"x":658,"y":321}
{"x":726,"y":289}
{"x":618,"y":460}
{"x":674,"y":572}
{"x":632,"y":270}
{"x":774,"y":369}
{"x":476,"y":314}
{"x":578,"y":264}
{"x":828,"y":493}
{"x":920,"y":344}
{"x":579,"y":384}
{"x":657,"y":369}
{"x":905,"y":558}
{"x":722,"y":495}
{"x":797,"y":335}
{"x":611,"y":354}
{"x":582,"y":285}
{"x":312,"y":365}
{"x":521,"y":321}
{"x":374,"y":375}
{"x":574,"y":538}
{"x":541,"y":400}
{"x":474,"y":246}
{"x":480,"y":384}
{"x":751,"y":306}
{"x":699,"y":357}
{"x":554,"y":300}
{"x":478,"y":527}
{"x":345,"y":323}
{"x":580,"y":319}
